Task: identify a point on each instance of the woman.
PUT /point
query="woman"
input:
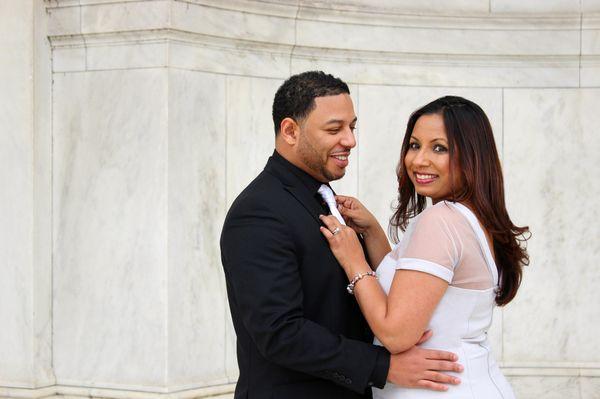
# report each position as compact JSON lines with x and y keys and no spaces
{"x":458,"y":258}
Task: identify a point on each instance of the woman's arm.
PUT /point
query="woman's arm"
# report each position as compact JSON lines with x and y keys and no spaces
{"x":377,"y":245}
{"x":399,"y":320}
{"x":363,"y":222}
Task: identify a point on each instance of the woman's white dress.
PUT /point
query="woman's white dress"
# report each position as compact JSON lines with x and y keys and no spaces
{"x":447,"y":241}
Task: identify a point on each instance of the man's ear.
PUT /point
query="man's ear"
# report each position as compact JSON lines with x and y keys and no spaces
{"x":289,"y":131}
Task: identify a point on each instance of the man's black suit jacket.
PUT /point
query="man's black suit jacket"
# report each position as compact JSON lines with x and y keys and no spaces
{"x":299,"y":333}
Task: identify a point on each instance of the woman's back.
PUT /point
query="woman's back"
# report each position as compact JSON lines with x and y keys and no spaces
{"x":447,"y":241}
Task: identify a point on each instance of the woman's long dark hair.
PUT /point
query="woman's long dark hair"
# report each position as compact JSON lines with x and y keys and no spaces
{"x":471,"y":143}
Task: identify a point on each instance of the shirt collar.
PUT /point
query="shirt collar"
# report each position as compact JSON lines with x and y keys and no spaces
{"x":307,"y":180}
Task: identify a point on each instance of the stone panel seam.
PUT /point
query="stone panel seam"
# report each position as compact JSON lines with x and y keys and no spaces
{"x":241,"y":75}
{"x":580,"y":41}
{"x":295,"y":37}
{"x":52,"y":255}
{"x":307,"y":52}
{"x":350,"y":81}
{"x":392,"y":18}
{"x":223,"y":7}
{"x":32,"y":193}
{"x":142,"y":36}
{"x":571,"y":21}
{"x":167,"y":268}
{"x":81,"y":391}
{"x":83,"y":37}
{"x":226,"y":141}
{"x":547,"y":370}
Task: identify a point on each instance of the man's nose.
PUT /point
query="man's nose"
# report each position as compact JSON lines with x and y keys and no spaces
{"x":348,"y":140}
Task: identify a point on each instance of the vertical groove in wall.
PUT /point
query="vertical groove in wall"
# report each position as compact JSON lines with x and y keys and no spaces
{"x":85,"y":58}
{"x":225,"y":104}
{"x":52,"y":265}
{"x":580,"y":40}
{"x":52,"y":213}
{"x":168,"y":222}
{"x":33,"y":126}
{"x":168,"y":42}
{"x":168,"y":265}
{"x":295,"y":37}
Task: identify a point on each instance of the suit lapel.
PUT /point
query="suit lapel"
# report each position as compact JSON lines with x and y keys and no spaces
{"x":295,"y":187}
{"x":301,"y":194}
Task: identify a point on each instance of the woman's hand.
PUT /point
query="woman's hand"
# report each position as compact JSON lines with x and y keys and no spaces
{"x":356,"y":215}
{"x":345,"y":246}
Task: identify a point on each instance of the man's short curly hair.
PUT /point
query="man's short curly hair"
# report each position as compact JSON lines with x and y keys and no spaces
{"x":295,"y":98}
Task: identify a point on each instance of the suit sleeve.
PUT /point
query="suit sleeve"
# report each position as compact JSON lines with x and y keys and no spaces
{"x":261,"y":267}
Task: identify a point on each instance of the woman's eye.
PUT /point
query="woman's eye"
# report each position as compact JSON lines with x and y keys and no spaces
{"x":439,"y":148}
{"x":413,"y":146}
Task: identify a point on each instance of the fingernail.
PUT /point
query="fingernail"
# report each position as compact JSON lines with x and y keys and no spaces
{"x":457,"y":380}
{"x":460,"y":368}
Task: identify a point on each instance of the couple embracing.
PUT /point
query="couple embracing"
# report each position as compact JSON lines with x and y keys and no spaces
{"x":322,"y":306}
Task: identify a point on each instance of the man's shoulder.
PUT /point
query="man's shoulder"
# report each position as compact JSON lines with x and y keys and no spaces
{"x":264,"y":186}
{"x":264,"y":192}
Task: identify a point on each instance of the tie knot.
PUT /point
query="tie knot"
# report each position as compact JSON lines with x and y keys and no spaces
{"x":326,"y":193}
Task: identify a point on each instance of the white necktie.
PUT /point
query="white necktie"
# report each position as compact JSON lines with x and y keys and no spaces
{"x":327,"y":195}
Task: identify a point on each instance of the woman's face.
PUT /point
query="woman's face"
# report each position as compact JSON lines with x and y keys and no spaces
{"x":427,"y":160}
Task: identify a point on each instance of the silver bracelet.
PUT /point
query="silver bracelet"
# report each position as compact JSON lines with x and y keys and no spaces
{"x":350,"y":287}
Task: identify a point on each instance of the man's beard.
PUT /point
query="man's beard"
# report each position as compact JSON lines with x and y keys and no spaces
{"x":311,"y":158}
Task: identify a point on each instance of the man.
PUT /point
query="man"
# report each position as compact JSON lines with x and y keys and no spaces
{"x":299,"y":333}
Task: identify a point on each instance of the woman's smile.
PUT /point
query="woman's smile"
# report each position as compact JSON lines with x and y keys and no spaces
{"x":424,"y":178}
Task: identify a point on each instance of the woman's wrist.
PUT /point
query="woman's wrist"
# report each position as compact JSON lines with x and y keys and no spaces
{"x":373,"y":228}
{"x":358,"y":268}
{"x":374,"y":234}
{"x":371,"y":231}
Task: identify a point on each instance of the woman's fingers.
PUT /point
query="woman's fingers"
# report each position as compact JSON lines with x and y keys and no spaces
{"x":346,"y":202}
{"x":325,"y":231}
{"x":351,"y":212}
{"x":343,"y":210}
{"x":331,"y":224}
{"x":329,"y":221}
{"x":342,"y":198}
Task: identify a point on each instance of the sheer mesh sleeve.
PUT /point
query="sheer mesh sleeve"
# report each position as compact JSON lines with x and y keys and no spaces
{"x":434,"y":244}
{"x":442,"y":242}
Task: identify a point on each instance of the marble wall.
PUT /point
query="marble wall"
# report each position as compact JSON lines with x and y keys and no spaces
{"x":25,"y":233}
{"x":131,"y":125}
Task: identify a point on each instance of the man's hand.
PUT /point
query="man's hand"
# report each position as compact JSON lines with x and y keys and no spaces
{"x":422,"y":368}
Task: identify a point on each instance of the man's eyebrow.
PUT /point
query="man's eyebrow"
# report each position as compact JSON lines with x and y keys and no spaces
{"x":340,"y":121}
